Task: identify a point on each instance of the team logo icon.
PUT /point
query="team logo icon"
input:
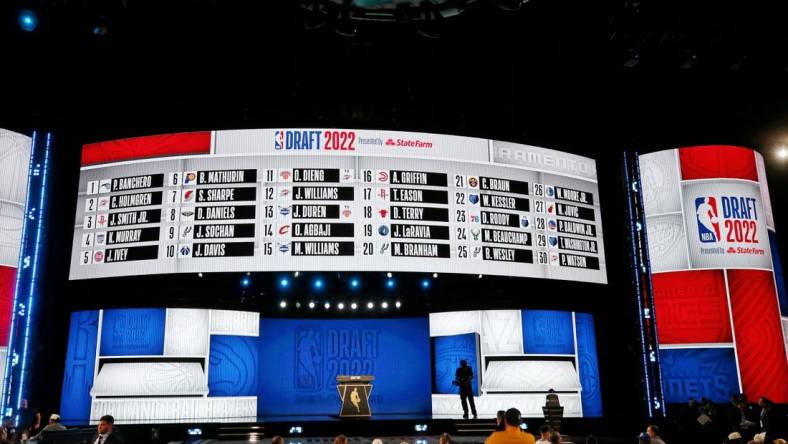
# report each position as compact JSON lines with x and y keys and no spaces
{"x":552,"y":225}
{"x":525,"y":222}
{"x":473,"y":199}
{"x":552,"y":241}
{"x":383,"y":176}
{"x":284,"y":229}
{"x":279,"y":140}
{"x":473,"y":182}
{"x":383,"y":230}
{"x":550,"y":191}
{"x":284,"y":211}
{"x":190,"y":178}
{"x":384,"y":213}
{"x":98,"y":256}
{"x":346,"y":213}
{"x":188,"y":196}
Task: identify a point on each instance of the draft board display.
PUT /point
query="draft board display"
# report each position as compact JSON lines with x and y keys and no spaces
{"x":338,"y":200}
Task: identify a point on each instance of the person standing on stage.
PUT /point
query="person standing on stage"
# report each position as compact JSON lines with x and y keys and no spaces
{"x":463,"y":378}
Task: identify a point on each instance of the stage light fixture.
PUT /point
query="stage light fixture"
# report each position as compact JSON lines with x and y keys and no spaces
{"x":398,"y":304}
{"x":296,"y":430}
{"x":194,"y":432}
{"x":390,"y":283}
{"x":384,"y":305}
{"x":327,"y":305}
{"x":480,"y":276}
{"x":341,"y":306}
{"x":284,"y":283}
{"x":246,"y":282}
{"x":370,"y":305}
{"x":389,"y":275}
{"x":435,"y":275}
{"x":353,"y":306}
{"x":782,"y":153}
{"x":425,"y":284}
{"x":28,"y":20}
{"x":318,"y":284}
{"x":283,"y":304}
{"x":420,"y":428}
{"x":296,"y":274}
{"x":311,"y":304}
{"x":354,"y":283}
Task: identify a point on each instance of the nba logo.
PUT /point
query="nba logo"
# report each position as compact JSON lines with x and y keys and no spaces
{"x":279,"y":140}
{"x":309,"y":360}
{"x":708,"y":221}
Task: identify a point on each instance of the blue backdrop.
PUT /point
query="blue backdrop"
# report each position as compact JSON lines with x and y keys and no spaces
{"x":548,"y":332}
{"x":80,"y":365}
{"x":699,"y":372}
{"x":300,"y":359}
{"x":133,"y":332}
{"x":449,"y":350}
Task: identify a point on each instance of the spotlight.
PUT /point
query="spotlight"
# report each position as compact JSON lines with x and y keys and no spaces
{"x":353,"y":306}
{"x":398,"y":304}
{"x":296,"y":430}
{"x":435,"y":275}
{"x":420,"y":428}
{"x":199,"y":274}
{"x":390,"y":283}
{"x":425,"y":284}
{"x":194,"y":432}
{"x":28,"y":20}
{"x":782,"y":153}
{"x":283,"y":304}
{"x":354,"y":283}
{"x":480,"y":276}
{"x":311,"y":304}
{"x":388,"y":275}
{"x":318,"y":284}
{"x":384,"y":304}
{"x":298,"y":304}
{"x":245,"y":282}
{"x":341,"y":305}
{"x":327,"y":305}
{"x":296,"y":274}
{"x":370,"y":305}
{"x":284,"y":283}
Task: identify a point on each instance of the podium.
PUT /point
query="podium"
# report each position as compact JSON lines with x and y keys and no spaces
{"x":354,"y":395}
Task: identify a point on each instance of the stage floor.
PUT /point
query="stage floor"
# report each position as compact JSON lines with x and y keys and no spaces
{"x":391,"y":440}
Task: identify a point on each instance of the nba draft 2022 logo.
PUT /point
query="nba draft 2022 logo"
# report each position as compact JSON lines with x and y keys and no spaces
{"x":323,"y":353}
{"x":732,"y":219}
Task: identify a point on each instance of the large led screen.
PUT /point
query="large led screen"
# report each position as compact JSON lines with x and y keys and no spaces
{"x":339,"y":200}
{"x":721,"y":308}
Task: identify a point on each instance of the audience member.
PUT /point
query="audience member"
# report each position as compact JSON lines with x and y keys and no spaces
{"x":340,"y":439}
{"x":7,"y":432}
{"x":591,"y":439}
{"x":766,"y":415}
{"x":555,"y":438}
{"x":500,"y":424}
{"x":544,"y":434}
{"x":512,"y":434}
{"x":53,"y":426}
{"x":734,"y":438}
{"x":104,"y":432}
{"x":29,"y":418}
{"x":277,"y":440}
{"x":377,"y":441}
{"x":444,"y":439}
{"x":653,"y":434}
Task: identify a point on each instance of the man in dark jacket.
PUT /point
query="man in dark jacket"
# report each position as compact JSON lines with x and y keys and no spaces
{"x":463,"y":378}
{"x":104,"y":432}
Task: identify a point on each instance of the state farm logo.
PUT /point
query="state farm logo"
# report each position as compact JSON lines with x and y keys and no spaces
{"x":408,"y":143}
